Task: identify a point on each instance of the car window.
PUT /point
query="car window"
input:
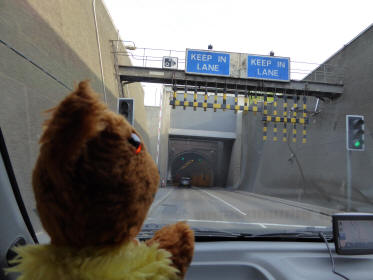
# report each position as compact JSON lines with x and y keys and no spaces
{"x":257,"y":115}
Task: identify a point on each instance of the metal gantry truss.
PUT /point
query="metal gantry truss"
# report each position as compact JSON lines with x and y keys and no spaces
{"x":178,"y":79}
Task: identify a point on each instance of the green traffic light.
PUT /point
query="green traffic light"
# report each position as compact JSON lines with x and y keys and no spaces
{"x":357,"y":144}
{"x":182,"y":158}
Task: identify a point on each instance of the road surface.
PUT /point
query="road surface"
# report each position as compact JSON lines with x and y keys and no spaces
{"x":224,"y":209}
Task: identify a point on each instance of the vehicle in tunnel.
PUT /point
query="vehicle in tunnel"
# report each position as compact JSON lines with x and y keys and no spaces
{"x":185,"y":182}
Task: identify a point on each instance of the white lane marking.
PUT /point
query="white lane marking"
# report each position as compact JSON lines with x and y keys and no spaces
{"x":223,"y":201}
{"x":154,"y":205}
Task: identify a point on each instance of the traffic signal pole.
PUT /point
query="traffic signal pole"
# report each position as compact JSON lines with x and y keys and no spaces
{"x":348,"y":185}
{"x":355,"y":141}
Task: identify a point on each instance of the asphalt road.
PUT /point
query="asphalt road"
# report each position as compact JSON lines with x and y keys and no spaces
{"x":223,"y":209}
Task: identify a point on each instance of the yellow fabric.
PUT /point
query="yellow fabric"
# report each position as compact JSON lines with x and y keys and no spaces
{"x":132,"y":262}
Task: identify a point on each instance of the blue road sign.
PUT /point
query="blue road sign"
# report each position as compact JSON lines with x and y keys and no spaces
{"x":268,"y":68}
{"x":207,"y":62}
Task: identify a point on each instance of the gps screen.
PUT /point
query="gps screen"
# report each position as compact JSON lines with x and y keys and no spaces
{"x":355,"y":234}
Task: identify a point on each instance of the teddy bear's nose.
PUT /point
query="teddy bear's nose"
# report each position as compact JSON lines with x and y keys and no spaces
{"x":136,"y":142}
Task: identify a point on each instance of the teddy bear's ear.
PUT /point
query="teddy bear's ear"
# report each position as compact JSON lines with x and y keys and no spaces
{"x":74,"y":121}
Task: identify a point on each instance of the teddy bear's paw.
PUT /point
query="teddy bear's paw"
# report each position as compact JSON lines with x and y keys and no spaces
{"x":178,"y":239}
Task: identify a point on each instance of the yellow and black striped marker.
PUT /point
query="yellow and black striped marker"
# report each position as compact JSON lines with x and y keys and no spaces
{"x":265,"y":129}
{"x":215,"y":100}
{"x":285,"y":120}
{"x":304,"y":132}
{"x":205,"y":101}
{"x":195,"y":103}
{"x":295,"y":106}
{"x":284,"y":133}
{"x":236,"y":107}
{"x":185,"y":99}
{"x":275,"y":132}
{"x":285,"y":114}
{"x":224,"y":99}
{"x":265,"y":104}
{"x":275,"y":106}
{"x":174,"y":99}
{"x":294,"y":133}
{"x":255,"y":107}
{"x":246,"y":101}
{"x":275,"y":115}
{"x":285,"y":106}
{"x":304,"y":107}
{"x":206,"y":105}
{"x":304,"y":139}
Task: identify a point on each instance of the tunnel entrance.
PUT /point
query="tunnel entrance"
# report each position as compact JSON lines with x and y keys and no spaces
{"x":205,"y":161}
{"x":194,"y":166}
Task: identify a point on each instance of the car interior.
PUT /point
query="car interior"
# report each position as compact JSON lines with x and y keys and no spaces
{"x":277,"y":256}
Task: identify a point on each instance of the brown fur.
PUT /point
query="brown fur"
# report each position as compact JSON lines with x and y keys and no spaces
{"x":91,"y":188}
{"x":179,"y":240}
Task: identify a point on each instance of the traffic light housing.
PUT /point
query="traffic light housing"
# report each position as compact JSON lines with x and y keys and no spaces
{"x":355,"y":133}
{"x":126,"y":109}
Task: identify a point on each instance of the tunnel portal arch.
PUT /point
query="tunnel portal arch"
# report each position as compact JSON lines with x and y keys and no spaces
{"x":212,"y":167}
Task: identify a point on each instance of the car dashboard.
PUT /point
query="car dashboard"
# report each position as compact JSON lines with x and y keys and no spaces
{"x":267,"y":260}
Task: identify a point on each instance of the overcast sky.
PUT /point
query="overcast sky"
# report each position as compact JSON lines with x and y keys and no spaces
{"x":308,"y":31}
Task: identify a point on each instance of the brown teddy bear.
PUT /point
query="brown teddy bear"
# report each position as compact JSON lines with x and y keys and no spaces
{"x":94,"y":182}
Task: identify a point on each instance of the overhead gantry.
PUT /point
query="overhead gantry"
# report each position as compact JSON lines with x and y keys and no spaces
{"x":180,"y":80}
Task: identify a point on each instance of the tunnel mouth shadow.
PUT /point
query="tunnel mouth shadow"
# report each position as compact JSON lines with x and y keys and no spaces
{"x":194,"y":166}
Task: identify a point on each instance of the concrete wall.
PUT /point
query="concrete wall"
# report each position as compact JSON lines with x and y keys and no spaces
{"x":60,"y":36}
{"x":152,"y":115}
{"x":164,"y":140}
{"x":200,"y":120}
{"x":152,"y":118}
{"x":316,"y":171}
{"x":235,"y":160}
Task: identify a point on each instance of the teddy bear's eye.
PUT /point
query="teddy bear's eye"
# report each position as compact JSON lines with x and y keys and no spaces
{"x":136,"y":142}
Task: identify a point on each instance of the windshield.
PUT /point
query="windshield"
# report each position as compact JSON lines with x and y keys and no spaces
{"x":256,"y":115}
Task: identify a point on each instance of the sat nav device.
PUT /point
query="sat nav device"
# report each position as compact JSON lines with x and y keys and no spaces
{"x":353,"y":233}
